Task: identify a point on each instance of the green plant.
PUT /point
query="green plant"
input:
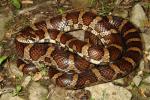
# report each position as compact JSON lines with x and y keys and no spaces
{"x":43,"y":69}
{"x":61,"y":10}
{"x":106,"y":6}
{"x":16,"y":3}
{"x":17,"y":90}
{"x":2,"y":59}
{"x":92,"y":2}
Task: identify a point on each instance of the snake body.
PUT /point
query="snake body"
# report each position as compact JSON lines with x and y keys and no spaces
{"x":74,"y":63}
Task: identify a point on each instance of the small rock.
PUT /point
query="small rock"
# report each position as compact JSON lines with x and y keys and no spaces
{"x":138,"y":16}
{"x":57,"y":92}
{"x":148,"y":56}
{"x":109,"y":91}
{"x":137,"y":80}
{"x":9,"y":96}
{"x":119,"y":81}
{"x":13,"y":70}
{"x":26,"y":81}
{"x":146,"y":41}
{"x":147,"y":80}
{"x":37,"y":92}
{"x":141,"y":65}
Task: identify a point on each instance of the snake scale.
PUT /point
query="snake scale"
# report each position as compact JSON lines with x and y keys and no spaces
{"x":112,"y":48}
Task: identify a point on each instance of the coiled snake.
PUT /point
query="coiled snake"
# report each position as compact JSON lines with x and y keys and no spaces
{"x":112,"y":48}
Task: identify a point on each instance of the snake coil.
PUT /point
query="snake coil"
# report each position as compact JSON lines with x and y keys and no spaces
{"x":112,"y":48}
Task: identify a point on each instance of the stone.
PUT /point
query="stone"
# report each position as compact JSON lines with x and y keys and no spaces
{"x":37,"y":92}
{"x":137,"y":80}
{"x":109,"y":91}
{"x":138,"y":16}
{"x":9,"y":96}
{"x":147,"y":79}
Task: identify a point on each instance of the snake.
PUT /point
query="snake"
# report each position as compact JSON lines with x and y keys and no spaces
{"x":111,"y":48}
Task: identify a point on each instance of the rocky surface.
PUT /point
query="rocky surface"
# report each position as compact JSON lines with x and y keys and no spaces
{"x":9,"y":96}
{"x":37,"y":92}
{"x":109,"y":91}
{"x":138,"y":16}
